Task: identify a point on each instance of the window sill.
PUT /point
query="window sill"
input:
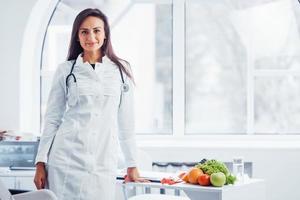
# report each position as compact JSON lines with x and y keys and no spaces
{"x":221,"y":142}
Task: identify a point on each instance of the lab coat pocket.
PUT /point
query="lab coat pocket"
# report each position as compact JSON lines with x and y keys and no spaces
{"x":112,"y":89}
{"x":72,"y":95}
{"x":112,"y":86}
{"x":86,"y":88}
{"x":114,"y":150}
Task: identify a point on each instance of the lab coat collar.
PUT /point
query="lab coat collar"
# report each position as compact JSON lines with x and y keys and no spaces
{"x":88,"y":68}
{"x":79,"y":60}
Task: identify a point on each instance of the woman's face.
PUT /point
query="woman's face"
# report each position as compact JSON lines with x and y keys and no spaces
{"x":91,"y":34}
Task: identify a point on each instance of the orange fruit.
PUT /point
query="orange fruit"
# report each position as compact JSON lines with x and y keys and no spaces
{"x":181,"y":175}
{"x":186,"y":178}
{"x":193,"y":175}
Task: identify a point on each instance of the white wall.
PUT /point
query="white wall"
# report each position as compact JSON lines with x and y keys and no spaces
{"x":22,"y":38}
{"x":13,"y":18}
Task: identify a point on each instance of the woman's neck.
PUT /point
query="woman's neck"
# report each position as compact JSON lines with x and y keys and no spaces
{"x":92,"y":57}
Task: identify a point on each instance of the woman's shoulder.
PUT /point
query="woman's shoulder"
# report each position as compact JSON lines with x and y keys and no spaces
{"x":127,"y":67}
{"x":125,"y":64}
{"x":65,"y":66}
{"x":122,"y":61}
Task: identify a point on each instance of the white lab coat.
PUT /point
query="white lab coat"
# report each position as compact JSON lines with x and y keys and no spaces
{"x":80,"y":141}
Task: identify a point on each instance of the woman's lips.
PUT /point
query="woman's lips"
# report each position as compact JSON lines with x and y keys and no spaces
{"x":91,"y":44}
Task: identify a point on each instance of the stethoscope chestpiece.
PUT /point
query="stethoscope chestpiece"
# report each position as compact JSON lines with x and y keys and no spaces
{"x":124,"y":87}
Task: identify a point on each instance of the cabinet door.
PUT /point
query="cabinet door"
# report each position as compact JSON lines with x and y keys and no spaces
{"x":25,"y":183}
{"x":9,"y":182}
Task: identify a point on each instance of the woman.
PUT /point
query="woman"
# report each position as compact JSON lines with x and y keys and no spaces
{"x":91,"y":100}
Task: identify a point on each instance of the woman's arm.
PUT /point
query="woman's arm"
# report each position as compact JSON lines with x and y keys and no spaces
{"x":126,"y":126}
{"x":55,"y":109}
{"x":127,"y":135}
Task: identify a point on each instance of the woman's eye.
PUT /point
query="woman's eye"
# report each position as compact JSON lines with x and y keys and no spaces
{"x":97,"y":31}
{"x":83,"y":32}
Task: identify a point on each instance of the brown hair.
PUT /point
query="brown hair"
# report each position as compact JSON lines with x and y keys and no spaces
{"x":75,"y":48}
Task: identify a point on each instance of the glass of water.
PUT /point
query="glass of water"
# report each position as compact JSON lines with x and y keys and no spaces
{"x":238,"y":168}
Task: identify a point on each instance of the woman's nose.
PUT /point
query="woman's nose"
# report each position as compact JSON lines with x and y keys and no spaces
{"x":91,"y":35}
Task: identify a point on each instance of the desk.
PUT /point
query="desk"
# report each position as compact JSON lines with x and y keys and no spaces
{"x":251,"y":189}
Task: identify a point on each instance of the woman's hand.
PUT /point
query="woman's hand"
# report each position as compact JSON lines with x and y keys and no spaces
{"x":2,"y":134}
{"x":133,"y":175}
{"x":40,"y":177}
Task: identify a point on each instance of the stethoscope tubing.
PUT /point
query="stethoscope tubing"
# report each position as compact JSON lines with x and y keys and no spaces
{"x":124,"y":86}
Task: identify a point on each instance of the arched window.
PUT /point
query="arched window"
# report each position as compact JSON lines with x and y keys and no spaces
{"x":141,"y":34}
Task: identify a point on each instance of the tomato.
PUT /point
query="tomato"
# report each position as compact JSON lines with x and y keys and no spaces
{"x":168,"y":181}
{"x":163,"y":181}
{"x":204,"y":180}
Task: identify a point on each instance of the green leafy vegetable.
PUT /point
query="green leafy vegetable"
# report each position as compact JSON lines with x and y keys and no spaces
{"x":230,"y":179}
{"x":213,"y":166}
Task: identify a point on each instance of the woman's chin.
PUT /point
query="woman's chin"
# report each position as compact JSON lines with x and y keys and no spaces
{"x":91,"y":49}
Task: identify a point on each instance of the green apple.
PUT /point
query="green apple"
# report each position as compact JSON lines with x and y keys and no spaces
{"x":218,"y":179}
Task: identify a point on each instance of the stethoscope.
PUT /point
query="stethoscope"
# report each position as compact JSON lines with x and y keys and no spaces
{"x":124,"y":86}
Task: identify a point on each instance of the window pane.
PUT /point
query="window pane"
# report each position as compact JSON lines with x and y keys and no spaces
{"x":146,"y":44}
{"x":215,"y":71}
{"x":275,"y":45}
{"x":277,"y":108}
{"x":45,"y":89}
{"x":55,"y":50}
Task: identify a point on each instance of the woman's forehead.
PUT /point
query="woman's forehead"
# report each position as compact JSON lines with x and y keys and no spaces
{"x":92,"y":22}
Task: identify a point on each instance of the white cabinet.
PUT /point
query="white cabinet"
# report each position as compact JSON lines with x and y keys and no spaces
{"x":25,"y":183}
{"x":9,"y":182}
{"x":22,"y":180}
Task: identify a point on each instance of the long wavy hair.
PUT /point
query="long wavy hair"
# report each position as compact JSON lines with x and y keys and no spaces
{"x":75,"y":48}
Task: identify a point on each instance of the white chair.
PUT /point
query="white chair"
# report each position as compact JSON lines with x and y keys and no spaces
{"x":34,"y":195}
{"x":157,"y":197}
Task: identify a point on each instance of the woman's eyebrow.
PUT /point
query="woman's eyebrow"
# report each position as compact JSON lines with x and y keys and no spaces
{"x":92,"y":28}
{"x":99,"y":27}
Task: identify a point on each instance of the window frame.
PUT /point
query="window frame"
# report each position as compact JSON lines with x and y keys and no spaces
{"x":178,"y":84}
{"x":252,"y":74}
